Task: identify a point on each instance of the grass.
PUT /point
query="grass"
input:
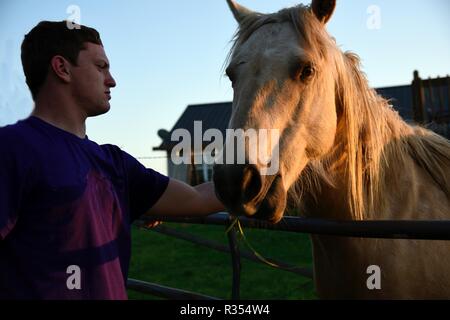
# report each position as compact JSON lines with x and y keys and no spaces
{"x":177,"y":263}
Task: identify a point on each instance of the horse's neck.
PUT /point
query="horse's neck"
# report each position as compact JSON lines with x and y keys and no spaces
{"x":329,"y":202}
{"x":406,"y":190}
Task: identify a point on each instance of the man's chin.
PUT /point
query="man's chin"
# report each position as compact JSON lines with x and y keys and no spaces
{"x":99,"y":111}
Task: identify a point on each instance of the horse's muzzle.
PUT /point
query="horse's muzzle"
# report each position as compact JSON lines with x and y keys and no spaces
{"x":244,"y":191}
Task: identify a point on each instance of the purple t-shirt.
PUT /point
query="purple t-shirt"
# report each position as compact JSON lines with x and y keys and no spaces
{"x":66,"y":205}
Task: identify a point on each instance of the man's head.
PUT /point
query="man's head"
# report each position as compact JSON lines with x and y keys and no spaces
{"x":73,"y":59}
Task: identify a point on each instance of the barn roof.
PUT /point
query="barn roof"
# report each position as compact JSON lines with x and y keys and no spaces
{"x":401,"y":99}
{"x":212,"y":115}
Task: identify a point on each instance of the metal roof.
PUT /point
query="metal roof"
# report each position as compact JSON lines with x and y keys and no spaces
{"x":212,"y":116}
{"x":400,"y":98}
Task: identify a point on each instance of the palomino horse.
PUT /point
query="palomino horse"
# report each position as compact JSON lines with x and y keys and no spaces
{"x":344,"y":153}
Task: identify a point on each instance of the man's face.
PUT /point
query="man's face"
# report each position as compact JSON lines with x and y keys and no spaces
{"x":92,"y":81}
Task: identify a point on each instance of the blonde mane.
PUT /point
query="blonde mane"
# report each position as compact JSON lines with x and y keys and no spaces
{"x":371,"y":137}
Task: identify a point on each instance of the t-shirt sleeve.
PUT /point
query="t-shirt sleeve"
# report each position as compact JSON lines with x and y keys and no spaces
{"x":145,"y":185}
{"x":12,"y":181}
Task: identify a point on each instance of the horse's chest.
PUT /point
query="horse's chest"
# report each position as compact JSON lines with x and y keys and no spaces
{"x":342,"y":266}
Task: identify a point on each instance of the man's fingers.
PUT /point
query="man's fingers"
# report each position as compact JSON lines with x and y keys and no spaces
{"x":153,"y":224}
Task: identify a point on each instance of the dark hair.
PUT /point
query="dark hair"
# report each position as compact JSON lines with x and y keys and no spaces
{"x":47,"y":40}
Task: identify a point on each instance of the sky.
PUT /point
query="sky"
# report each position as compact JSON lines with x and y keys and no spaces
{"x":168,"y":54}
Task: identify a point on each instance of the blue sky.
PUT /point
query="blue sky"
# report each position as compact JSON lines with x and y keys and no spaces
{"x":166,"y":55}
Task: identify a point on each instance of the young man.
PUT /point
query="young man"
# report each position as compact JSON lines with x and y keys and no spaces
{"x":66,"y":203}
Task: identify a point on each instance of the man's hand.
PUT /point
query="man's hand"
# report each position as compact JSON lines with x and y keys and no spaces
{"x":152,"y":224}
{"x":181,"y":199}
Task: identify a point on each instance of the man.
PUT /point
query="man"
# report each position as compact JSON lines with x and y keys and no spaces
{"x":66,"y":203}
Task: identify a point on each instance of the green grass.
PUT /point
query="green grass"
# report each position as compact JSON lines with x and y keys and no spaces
{"x":177,"y":263}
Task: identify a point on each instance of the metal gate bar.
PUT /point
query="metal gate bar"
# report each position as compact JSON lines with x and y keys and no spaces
{"x":383,"y":229}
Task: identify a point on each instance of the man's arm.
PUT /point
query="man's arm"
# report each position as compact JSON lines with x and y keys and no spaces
{"x":181,"y":199}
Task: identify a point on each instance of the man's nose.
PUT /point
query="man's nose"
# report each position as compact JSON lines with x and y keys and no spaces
{"x":110,"y":82}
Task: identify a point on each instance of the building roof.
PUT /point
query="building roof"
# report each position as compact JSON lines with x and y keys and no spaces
{"x":217,"y":115}
{"x":401,"y":98}
{"x":212,"y":116}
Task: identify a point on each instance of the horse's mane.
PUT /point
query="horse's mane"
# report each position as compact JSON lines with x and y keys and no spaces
{"x":375,"y":140}
{"x":371,"y":137}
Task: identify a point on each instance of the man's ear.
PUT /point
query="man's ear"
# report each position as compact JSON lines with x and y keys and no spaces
{"x":239,"y":12}
{"x":60,"y":67}
{"x":323,"y":9}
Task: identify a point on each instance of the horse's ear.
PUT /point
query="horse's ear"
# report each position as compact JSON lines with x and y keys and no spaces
{"x":323,"y":9}
{"x":239,"y":12}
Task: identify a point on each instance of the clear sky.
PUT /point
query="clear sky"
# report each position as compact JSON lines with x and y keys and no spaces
{"x":168,"y":54}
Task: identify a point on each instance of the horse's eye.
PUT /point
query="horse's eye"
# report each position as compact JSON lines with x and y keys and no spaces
{"x":230,"y":74}
{"x":307,"y":72}
{"x":302,"y":71}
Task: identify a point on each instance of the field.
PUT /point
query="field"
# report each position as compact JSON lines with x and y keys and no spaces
{"x":177,"y":263}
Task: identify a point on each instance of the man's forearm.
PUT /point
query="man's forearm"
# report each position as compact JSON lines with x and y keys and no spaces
{"x":209,"y":202}
{"x":181,"y":199}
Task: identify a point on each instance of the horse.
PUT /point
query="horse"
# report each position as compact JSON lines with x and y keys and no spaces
{"x":344,"y":154}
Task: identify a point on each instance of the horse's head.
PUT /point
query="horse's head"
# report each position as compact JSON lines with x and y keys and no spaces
{"x":282,"y":79}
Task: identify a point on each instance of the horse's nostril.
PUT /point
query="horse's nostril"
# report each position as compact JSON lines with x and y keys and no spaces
{"x":239,"y":187}
{"x":251,"y":183}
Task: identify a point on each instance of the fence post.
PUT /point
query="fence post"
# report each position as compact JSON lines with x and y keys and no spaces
{"x":235,"y":259}
{"x":418,"y":99}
